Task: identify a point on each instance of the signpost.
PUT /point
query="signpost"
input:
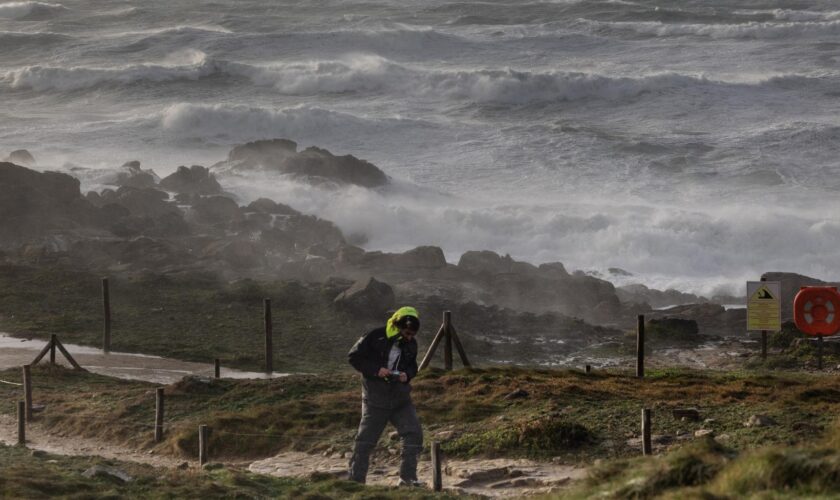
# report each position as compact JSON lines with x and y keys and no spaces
{"x":764,"y":309}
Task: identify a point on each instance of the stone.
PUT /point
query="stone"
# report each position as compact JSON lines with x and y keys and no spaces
{"x":517,"y":394}
{"x":485,"y":262}
{"x":703,"y":432}
{"x":367,"y":297}
{"x":266,"y":206}
{"x":214,"y":210}
{"x":686,"y":413}
{"x":38,"y":453}
{"x":393,"y":435}
{"x":107,"y":472}
{"x":21,"y":157}
{"x":183,"y":466}
{"x":213,"y":466}
{"x":132,"y":175}
{"x":192,"y":180}
{"x":759,"y":421}
{"x":313,"y":164}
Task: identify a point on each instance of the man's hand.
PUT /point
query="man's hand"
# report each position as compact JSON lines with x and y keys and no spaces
{"x":383,"y":373}
{"x":403,"y":377}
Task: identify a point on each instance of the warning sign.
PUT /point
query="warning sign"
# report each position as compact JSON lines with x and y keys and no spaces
{"x":764,"y":305}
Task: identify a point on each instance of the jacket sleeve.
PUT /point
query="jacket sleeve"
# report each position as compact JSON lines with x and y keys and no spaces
{"x":362,"y":359}
{"x":411,"y":365}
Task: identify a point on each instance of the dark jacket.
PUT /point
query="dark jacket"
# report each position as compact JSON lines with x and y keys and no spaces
{"x":370,"y":354}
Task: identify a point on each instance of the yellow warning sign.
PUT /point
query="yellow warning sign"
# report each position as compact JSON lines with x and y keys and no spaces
{"x":764,"y":305}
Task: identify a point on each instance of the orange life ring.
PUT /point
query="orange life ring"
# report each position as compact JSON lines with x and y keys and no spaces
{"x":816,"y":310}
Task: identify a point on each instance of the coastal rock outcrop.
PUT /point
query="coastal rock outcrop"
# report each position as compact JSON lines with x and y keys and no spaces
{"x":313,"y":164}
{"x":367,"y":297}
{"x":192,"y":180}
{"x":21,"y":157}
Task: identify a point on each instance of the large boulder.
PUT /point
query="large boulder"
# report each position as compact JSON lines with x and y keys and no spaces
{"x":239,"y":254}
{"x":193,"y":180}
{"x":140,"y":202}
{"x":35,"y":204}
{"x":215,"y":210}
{"x":131,"y":175}
{"x":312,"y":164}
{"x":368,"y":298}
{"x":264,"y":152}
{"x":485,"y":262}
{"x":638,"y":293}
{"x":423,"y":257}
{"x":21,"y":157}
{"x":266,"y":206}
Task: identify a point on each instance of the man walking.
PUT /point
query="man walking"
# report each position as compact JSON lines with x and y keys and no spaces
{"x":387,"y":359}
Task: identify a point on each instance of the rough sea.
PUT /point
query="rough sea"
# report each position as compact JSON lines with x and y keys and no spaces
{"x":693,"y":143}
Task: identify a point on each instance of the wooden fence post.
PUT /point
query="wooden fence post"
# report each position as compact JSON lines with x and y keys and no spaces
{"x":217,"y":368}
{"x":21,"y":417}
{"x":27,"y":390}
{"x":269,"y":348}
{"x":203,"y":436}
{"x":640,"y":347}
{"x":588,"y":369}
{"x":106,"y":307}
{"x":646,"y":447}
{"x":158,"y":414}
{"x":447,"y":340}
{"x":437,"y":479}
{"x":52,"y":348}
{"x":763,"y":337}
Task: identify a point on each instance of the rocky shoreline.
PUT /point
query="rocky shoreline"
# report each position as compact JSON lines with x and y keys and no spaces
{"x":187,"y":222}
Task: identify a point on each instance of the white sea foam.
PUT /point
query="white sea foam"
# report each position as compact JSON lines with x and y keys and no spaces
{"x":751,"y":30}
{"x":233,"y":122}
{"x":20,"y":10}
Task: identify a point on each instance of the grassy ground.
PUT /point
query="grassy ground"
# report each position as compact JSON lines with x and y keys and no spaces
{"x":192,"y":317}
{"x":566,"y":414}
{"x":27,"y":475}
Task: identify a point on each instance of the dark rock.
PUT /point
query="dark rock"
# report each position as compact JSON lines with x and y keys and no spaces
{"x":672,"y":329}
{"x":368,"y":298}
{"x":107,"y":472}
{"x":266,"y":206}
{"x":686,"y":413}
{"x":424,"y":257}
{"x":265,"y":152}
{"x":214,"y":210}
{"x":314,"y":164}
{"x":759,"y":421}
{"x":133,"y":176}
{"x":485,"y":262}
{"x":193,"y":180}
{"x":517,"y":394}
{"x":21,"y":157}
{"x":239,"y":254}
{"x":141,"y":202}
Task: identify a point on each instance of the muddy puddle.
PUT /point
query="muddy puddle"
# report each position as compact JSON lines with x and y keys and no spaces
{"x":15,"y":352}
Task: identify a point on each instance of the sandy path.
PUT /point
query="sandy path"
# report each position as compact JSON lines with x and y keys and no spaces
{"x":492,"y":477}
{"x":37,"y":438}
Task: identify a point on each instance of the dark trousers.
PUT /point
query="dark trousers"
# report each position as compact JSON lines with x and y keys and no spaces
{"x":374,"y":420}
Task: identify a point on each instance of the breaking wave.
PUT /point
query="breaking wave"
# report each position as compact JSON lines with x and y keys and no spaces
{"x":751,"y":30}
{"x":187,"y":120}
{"x":369,"y":74}
{"x":29,"y":10}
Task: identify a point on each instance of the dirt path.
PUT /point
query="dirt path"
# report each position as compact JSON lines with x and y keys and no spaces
{"x":37,"y":438}
{"x":492,"y":477}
